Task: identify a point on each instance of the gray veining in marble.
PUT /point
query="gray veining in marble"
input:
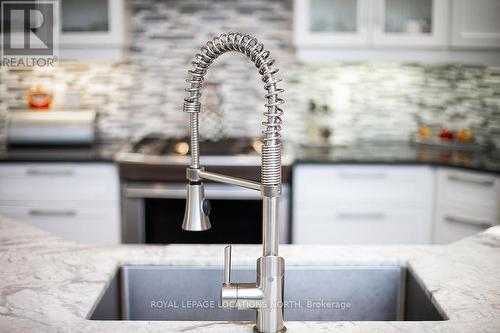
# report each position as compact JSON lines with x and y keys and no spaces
{"x":48,"y":284}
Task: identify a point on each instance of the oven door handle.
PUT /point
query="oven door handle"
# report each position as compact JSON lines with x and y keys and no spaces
{"x":230,"y":193}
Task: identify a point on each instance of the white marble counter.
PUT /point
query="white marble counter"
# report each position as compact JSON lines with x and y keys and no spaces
{"x":48,"y":284}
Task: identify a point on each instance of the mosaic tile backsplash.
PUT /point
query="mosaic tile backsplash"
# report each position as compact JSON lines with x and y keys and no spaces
{"x":368,"y":101}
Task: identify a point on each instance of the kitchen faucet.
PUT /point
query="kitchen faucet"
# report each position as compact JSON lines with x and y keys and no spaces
{"x":266,"y":294}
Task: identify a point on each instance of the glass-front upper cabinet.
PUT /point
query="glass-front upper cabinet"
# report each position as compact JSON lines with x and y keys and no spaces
{"x":85,"y":16}
{"x":320,"y":23}
{"x":331,"y":22}
{"x":411,"y":22}
{"x":98,"y":27}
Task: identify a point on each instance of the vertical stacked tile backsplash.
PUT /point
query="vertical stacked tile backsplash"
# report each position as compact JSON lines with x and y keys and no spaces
{"x":143,"y":94}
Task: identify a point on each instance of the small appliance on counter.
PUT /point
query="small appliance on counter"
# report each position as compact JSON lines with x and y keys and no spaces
{"x":55,"y":127}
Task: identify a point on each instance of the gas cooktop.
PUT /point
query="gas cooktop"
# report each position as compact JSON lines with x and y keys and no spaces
{"x":158,"y":146}
{"x":156,"y":150}
{"x":157,"y":158}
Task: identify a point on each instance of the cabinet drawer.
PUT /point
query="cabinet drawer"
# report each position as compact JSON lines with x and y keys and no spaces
{"x":40,"y":181}
{"x":454,"y":223}
{"x":88,"y":225}
{"x":362,"y":225}
{"x":488,"y":215}
{"x":64,"y":204}
{"x":329,"y":184}
{"x":467,"y":189}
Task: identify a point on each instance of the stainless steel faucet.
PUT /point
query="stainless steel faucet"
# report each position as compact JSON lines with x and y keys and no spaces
{"x":266,"y":294}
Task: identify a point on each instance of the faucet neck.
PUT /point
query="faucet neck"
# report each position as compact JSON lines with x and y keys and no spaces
{"x":270,"y":226}
{"x":249,"y":46}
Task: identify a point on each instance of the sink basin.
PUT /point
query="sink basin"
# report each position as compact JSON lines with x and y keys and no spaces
{"x":312,"y":293}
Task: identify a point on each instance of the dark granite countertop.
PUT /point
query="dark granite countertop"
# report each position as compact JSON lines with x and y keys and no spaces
{"x":400,"y":153}
{"x":388,"y":153}
{"x":98,"y":152}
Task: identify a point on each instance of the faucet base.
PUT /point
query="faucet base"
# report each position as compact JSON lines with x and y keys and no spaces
{"x":270,"y":279}
{"x":256,"y":330}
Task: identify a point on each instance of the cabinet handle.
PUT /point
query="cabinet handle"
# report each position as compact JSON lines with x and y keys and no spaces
{"x":361,"y":216}
{"x":483,"y":182}
{"x":461,"y":220}
{"x":52,"y":212}
{"x":348,"y":175}
{"x":49,"y":172}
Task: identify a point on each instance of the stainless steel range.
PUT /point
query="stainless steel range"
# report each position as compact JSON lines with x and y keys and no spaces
{"x":153,"y":174}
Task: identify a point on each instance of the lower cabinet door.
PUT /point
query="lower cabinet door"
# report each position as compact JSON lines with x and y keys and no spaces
{"x":363,"y":225}
{"x":87,"y":225}
{"x":454,"y":223}
{"x":63,"y":181}
{"x":467,"y":189}
{"x":362,"y":204}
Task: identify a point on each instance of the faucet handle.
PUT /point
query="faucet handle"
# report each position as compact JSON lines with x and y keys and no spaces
{"x":227,"y":264}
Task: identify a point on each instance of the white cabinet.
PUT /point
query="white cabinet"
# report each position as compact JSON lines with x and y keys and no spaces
{"x":351,"y":204}
{"x":75,"y":201}
{"x":476,"y":24}
{"x":324,"y":23}
{"x":444,"y":31}
{"x":93,"y":28}
{"x":422,"y":23}
{"x":331,"y":22}
{"x":466,"y":203}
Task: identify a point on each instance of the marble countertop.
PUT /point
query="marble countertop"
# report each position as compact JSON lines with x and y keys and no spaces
{"x":48,"y":284}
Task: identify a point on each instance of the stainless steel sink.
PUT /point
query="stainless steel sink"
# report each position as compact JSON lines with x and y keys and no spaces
{"x":312,"y":293}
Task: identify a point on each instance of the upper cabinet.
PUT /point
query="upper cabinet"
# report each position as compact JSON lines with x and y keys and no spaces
{"x":332,"y":22}
{"x":93,"y":28}
{"x":371,"y":22}
{"x":476,"y":24}
{"x":416,"y":30}
{"x":410,"y":22}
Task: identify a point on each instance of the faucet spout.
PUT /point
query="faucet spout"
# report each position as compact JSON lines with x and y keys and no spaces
{"x":266,"y":294}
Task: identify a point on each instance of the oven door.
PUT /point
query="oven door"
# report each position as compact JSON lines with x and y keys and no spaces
{"x":153,"y":213}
